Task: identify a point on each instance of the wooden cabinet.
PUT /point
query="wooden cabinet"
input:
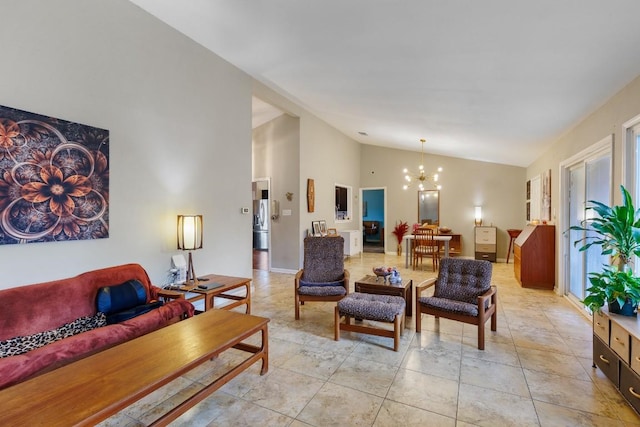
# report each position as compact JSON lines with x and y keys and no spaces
{"x":534,"y":255}
{"x":455,"y":244}
{"x":617,"y":353}
{"x":485,"y":243}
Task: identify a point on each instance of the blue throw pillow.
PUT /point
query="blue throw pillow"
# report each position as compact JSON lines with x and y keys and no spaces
{"x":112,"y":299}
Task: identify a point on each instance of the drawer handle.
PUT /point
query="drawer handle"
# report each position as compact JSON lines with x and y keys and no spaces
{"x":600,"y":325}
{"x":618,"y":340}
{"x":604,"y":360}
{"x":633,"y":393}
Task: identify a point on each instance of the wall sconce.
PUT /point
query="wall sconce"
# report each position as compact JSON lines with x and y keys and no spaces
{"x":478,"y":216}
{"x":190,"y":239}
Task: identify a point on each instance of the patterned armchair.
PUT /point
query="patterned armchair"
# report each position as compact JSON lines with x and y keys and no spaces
{"x":323,"y":277}
{"x":462,"y":292}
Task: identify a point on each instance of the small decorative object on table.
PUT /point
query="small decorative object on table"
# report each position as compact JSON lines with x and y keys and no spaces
{"x":445,"y":230}
{"x":389,"y":274}
{"x":395,"y":277}
{"x":383,"y":272}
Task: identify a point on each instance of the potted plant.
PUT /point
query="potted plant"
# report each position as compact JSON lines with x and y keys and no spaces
{"x":399,"y":231}
{"x":617,"y":231}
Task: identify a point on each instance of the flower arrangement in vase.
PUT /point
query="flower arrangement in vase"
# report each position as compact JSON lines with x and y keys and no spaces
{"x":399,"y":231}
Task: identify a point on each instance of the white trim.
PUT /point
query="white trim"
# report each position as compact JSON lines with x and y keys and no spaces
{"x":283,"y":270}
{"x":605,"y":145}
{"x":629,"y":155}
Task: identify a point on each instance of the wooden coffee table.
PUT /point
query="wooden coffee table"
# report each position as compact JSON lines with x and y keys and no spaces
{"x":373,"y":285}
{"x":228,"y":283}
{"x":90,"y":390}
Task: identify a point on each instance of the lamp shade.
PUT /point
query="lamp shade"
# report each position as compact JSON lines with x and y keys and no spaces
{"x":189,"y":232}
{"x":478,"y":215}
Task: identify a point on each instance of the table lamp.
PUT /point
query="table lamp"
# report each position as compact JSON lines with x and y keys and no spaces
{"x":190,"y":239}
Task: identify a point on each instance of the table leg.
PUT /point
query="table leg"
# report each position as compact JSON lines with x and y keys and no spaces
{"x":406,"y":253}
{"x":446,"y":249}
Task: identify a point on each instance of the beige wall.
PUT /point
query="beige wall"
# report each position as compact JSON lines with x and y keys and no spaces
{"x":326,"y":156}
{"x":607,"y":120}
{"x":180,"y":133}
{"x":276,"y":147}
{"x":499,"y":189}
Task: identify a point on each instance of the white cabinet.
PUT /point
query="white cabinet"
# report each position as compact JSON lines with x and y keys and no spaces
{"x":486,"y":243}
{"x":351,"y":242}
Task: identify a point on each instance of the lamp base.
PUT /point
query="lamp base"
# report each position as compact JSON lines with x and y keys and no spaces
{"x":191,"y":275}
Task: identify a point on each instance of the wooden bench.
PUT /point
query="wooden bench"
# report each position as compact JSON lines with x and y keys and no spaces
{"x":92,"y":389}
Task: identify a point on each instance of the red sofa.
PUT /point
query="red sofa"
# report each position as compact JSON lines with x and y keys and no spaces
{"x":32,"y":309}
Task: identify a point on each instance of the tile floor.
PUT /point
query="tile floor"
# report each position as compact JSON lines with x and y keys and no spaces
{"x":535,"y":370}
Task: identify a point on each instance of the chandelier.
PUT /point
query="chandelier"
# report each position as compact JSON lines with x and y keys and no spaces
{"x":421,"y":177}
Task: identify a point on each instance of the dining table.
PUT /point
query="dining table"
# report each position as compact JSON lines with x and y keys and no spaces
{"x":408,"y":238}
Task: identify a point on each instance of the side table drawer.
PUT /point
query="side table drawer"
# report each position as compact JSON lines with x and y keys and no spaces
{"x":484,"y":247}
{"x":620,"y":342}
{"x":606,"y":360}
{"x":601,"y":326}
{"x":630,"y":386}
{"x":635,"y":354}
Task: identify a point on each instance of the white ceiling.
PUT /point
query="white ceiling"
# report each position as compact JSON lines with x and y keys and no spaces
{"x":491,"y":80}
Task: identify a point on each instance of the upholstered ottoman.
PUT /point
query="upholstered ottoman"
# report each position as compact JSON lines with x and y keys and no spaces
{"x":379,"y":308}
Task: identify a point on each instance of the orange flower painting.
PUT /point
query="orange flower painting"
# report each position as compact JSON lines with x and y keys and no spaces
{"x":54,"y":179}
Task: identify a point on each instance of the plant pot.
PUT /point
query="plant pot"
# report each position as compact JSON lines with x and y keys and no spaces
{"x":399,"y":249}
{"x":627,"y":309}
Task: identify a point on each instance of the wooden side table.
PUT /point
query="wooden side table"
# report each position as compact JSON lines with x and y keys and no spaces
{"x":369,"y":285}
{"x":228,"y":283}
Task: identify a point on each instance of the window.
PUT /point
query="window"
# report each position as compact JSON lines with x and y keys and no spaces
{"x":343,"y":202}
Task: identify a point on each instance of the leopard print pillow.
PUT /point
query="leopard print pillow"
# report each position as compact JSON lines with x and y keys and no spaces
{"x":21,"y":345}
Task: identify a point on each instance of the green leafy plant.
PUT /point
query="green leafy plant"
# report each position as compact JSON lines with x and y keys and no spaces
{"x":612,"y":285}
{"x":616,"y":230}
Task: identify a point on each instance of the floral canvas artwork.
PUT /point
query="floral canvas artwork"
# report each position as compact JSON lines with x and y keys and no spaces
{"x":54,"y":179}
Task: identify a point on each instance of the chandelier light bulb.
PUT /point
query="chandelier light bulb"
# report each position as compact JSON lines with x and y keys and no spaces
{"x":421,"y":176}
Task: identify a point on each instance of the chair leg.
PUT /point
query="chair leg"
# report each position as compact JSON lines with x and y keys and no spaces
{"x":494,"y":320}
{"x":297,"y":303}
{"x":397,"y":322}
{"x":481,"y":336}
{"x":336,"y":330}
{"x":418,"y":316}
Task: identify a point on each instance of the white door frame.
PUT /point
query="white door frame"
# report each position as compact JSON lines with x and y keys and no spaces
{"x":362,"y":189}
{"x":600,"y":147}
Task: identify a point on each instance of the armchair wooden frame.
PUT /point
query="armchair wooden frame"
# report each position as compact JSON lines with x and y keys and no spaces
{"x":485,"y":311}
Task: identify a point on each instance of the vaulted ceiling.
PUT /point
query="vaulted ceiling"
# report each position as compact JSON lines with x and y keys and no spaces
{"x":490,"y":80}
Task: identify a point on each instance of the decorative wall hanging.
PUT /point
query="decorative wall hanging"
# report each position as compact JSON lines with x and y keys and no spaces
{"x":311,"y":195}
{"x":54,"y":179}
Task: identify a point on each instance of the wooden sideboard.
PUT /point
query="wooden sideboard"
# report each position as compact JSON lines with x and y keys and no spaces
{"x":616,"y":351}
{"x":455,"y":244}
{"x":534,"y":255}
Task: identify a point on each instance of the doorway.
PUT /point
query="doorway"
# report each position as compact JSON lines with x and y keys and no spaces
{"x":586,"y":176}
{"x":261,"y":221}
{"x":374,"y":203}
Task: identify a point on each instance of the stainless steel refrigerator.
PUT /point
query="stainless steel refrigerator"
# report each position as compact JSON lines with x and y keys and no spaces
{"x":261,"y":224}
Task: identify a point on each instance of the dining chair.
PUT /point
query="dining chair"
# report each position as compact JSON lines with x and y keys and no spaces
{"x":425,"y":246}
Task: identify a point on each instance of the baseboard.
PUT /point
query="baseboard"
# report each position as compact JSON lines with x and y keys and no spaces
{"x":283,"y":270}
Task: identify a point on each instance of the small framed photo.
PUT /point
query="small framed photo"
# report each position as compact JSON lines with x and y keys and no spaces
{"x":315,"y":226}
{"x":332,"y":232}
{"x":323,"y":228}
